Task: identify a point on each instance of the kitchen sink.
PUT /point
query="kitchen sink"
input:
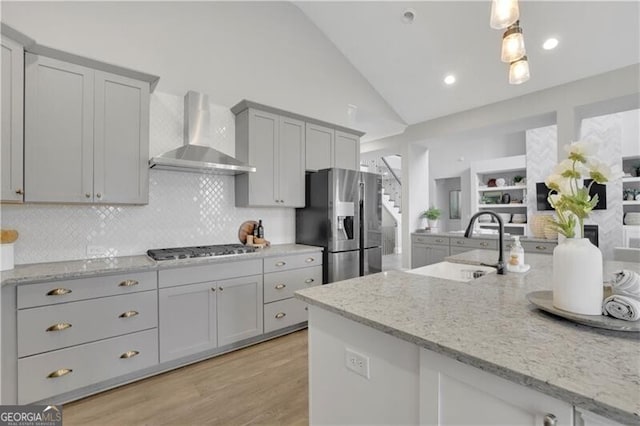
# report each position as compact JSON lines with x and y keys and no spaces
{"x":453,"y":271}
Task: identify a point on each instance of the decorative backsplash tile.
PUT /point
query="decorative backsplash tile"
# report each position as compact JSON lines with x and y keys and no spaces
{"x":184,"y":208}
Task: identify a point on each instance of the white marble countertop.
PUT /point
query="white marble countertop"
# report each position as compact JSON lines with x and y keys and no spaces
{"x":489,"y":324}
{"x":39,"y":272}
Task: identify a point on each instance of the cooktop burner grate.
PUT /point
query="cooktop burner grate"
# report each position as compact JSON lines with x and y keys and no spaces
{"x":198,"y":251}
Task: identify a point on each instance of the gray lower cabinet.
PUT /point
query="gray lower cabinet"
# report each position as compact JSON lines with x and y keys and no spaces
{"x":11,"y":169}
{"x":202,"y":316}
{"x":86,"y":134}
{"x":275,"y":145}
{"x":428,"y":249}
{"x":62,"y":345}
{"x":188,"y":320}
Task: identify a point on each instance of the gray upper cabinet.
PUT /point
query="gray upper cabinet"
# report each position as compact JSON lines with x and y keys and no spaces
{"x":319,"y":147}
{"x":12,"y":121}
{"x":274,"y":144}
{"x":86,"y":134}
{"x":327,"y":148}
{"x":346,"y":152}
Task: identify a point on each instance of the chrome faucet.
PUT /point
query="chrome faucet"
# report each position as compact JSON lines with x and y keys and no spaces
{"x":500,"y":266}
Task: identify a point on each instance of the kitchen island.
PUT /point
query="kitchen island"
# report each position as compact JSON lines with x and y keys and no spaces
{"x":436,"y":351}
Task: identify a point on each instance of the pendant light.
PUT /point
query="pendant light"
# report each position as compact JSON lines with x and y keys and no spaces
{"x":519,"y":71}
{"x":513,"y":43}
{"x":504,"y":13}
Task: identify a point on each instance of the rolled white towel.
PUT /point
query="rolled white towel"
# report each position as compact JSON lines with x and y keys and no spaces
{"x":622,"y":307}
{"x":626,"y":283}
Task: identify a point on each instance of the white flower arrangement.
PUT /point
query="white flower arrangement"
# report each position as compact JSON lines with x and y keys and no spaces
{"x":567,"y":194}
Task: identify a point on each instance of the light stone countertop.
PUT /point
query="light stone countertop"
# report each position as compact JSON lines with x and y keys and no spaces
{"x":509,"y":237}
{"x":52,"y":271}
{"x":489,"y":324}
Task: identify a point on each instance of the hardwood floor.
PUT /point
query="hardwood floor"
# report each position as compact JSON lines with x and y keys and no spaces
{"x":263,"y":384}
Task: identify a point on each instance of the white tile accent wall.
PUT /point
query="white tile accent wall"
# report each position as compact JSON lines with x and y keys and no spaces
{"x":184,"y":208}
{"x":542,"y":156}
{"x":607,"y":129}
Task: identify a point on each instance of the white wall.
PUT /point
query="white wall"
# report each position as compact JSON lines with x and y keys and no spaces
{"x":184,"y":209}
{"x":269,"y":52}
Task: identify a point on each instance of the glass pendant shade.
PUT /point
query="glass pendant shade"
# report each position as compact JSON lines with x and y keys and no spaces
{"x":504,"y":13}
{"x":519,"y":71}
{"x":512,"y":44}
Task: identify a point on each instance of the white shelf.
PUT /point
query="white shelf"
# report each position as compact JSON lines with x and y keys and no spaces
{"x":502,"y":188}
{"x":630,"y":203}
{"x":508,"y":206}
{"x":629,"y":179}
{"x":506,"y":225}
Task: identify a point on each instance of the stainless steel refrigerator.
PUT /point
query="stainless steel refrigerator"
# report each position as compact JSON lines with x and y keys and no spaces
{"x":343,"y":214}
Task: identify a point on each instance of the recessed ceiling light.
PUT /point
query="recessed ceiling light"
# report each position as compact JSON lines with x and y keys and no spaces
{"x":408,"y":16}
{"x":550,"y":43}
{"x":450,"y":79}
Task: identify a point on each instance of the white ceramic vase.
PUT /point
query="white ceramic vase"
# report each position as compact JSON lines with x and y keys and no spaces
{"x":577,"y":277}
{"x":433,"y":223}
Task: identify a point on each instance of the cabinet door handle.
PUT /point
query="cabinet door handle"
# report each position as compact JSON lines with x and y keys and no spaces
{"x":281,"y":264}
{"x":280,"y":286}
{"x":541,"y":247}
{"x":309,"y":259}
{"x":19,"y":191}
{"x":99,"y":195}
{"x":306,"y":308}
{"x":213,"y":289}
{"x":220,"y":288}
{"x":59,"y":327}
{"x":58,"y":292}
{"x":59,"y":373}
{"x":309,"y":280}
{"x":128,"y":283}
{"x":128,"y":314}
{"x":483,"y":244}
{"x":280,"y":315}
{"x":87,"y":195}
{"x":129,"y":354}
{"x":549,"y":420}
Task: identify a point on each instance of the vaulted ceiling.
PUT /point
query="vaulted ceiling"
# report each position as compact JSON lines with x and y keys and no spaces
{"x":406,"y":63}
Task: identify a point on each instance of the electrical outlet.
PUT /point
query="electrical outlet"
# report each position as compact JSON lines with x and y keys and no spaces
{"x":357,"y":363}
{"x":96,"y":251}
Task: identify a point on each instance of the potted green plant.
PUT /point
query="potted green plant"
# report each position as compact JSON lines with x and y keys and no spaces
{"x":432,"y":215}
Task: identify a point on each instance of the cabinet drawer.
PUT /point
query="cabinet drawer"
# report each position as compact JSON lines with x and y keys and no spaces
{"x":284,"y":263}
{"x":84,"y":321}
{"x":87,"y":364}
{"x":430,"y":239}
{"x":49,"y":293}
{"x":474,"y":243}
{"x":211,"y":272}
{"x":282,"y":285}
{"x":284,"y":313}
{"x":538,"y":247}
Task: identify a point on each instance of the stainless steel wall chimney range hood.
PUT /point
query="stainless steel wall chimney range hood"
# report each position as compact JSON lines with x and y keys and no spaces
{"x":196,"y":155}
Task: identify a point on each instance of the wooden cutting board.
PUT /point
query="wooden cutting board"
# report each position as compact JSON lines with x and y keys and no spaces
{"x":246,"y":229}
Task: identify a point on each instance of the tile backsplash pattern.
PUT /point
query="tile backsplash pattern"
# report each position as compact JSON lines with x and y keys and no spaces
{"x":184,"y":208}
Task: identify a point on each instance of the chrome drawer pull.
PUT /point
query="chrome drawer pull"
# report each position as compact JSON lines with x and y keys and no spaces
{"x":129,"y":354}
{"x":309,"y":280}
{"x":128,"y":314}
{"x":439,"y":240}
{"x":58,"y":292}
{"x":280,"y":315}
{"x":541,"y":247}
{"x":306,"y":308}
{"x":281,"y":263}
{"x":59,"y":327}
{"x":484,"y":244}
{"x":128,"y":283}
{"x":59,"y":373}
{"x":309,"y":259}
{"x":280,"y":286}
{"x":549,"y":420}
{"x":460,"y":242}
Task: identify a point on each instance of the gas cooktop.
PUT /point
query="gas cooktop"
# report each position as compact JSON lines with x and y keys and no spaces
{"x":198,"y":251}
